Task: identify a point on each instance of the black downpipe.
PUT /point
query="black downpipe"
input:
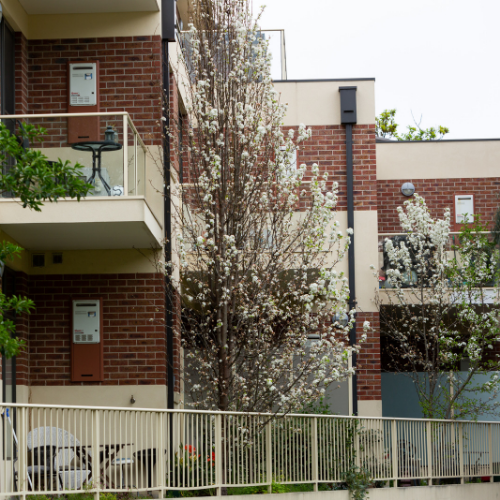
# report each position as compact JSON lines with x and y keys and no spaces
{"x":350,"y":256}
{"x":349,"y":118}
{"x":167,"y":217}
{"x":168,"y":35}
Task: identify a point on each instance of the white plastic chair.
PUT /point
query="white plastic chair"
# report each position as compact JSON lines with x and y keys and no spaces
{"x":66,"y":444}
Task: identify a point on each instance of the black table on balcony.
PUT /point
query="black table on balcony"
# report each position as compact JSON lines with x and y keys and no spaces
{"x":97,"y":148}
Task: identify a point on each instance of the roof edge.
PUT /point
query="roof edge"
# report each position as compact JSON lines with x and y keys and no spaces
{"x":381,"y":140}
{"x":327,"y":80}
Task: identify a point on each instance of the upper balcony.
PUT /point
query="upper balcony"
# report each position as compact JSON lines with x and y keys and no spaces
{"x":277,"y":48}
{"x":124,"y":209}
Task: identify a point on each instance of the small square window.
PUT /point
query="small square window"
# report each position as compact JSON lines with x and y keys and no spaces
{"x":57,"y":258}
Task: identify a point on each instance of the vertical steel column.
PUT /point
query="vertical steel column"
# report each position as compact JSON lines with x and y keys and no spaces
{"x":168,"y":35}
{"x":348,"y":118}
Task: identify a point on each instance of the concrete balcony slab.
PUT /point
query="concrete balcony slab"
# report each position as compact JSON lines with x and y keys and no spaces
{"x":92,"y":223}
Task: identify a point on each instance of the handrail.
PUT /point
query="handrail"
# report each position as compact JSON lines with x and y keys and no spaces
{"x":71,"y":115}
{"x":122,"y":116}
{"x":239,"y":413}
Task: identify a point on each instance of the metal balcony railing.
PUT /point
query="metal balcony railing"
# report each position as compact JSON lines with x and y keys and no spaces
{"x":277,"y":47}
{"x":121,"y":168}
{"x":48,"y":449}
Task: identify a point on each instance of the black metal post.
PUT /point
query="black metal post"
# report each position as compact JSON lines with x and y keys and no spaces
{"x":349,"y":118}
{"x":350,"y":256}
{"x":168,"y":35}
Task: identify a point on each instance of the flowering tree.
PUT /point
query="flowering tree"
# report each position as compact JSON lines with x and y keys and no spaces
{"x":439,"y":313}
{"x":258,"y":246}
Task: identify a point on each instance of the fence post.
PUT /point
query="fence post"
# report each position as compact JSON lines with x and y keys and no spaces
{"x":18,"y":414}
{"x":429,"y":452}
{"x":394,"y":433}
{"x":269,"y":456}
{"x":461,"y":453}
{"x":96,"y":470}
{"x":490,"y":452}
{"x":161,"y":477}
{"x":314,"y":452}
{"x":218,"y":454}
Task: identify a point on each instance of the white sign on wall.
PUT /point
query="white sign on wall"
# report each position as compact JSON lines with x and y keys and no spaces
{"x":464,"y":208}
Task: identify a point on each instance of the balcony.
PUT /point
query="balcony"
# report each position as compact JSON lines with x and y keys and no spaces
{"x":123,"y":209}
{"x":277,"y":48}
{"x":34,"y":7}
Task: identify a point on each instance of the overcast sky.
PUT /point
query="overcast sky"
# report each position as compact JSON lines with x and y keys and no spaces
{"x":439,"y":59}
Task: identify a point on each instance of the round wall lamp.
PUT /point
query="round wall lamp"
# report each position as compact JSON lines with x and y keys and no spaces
{"x":407,"y":189}
{"x":341,"y":318}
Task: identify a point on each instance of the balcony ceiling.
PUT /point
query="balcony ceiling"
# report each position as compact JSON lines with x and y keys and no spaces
{"x":88,"y":225}
{"x":33,"y":7}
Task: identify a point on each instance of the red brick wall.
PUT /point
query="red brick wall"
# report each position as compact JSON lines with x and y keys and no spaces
{"x":134,"y":346}
{"x":439,"y":194}
{"x":368,"y":360}
{"x":327,"y":148}
{"x":130,"y":76}
{"x":22,"y":331}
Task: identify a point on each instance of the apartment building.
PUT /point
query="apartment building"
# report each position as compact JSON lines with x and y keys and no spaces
{"x":459,"y":175}
{"x":98,"y":259}
{"x":95,"y":259}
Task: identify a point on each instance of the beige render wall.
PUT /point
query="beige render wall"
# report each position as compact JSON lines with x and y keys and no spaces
{"x":318,"y":102}
{"x":54,"y":26}
{"x":146,"y":396}
{"x":365,"y":254}
{"x":438,"y":159}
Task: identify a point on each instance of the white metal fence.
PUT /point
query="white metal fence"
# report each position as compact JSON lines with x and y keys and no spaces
{"x":48,"y":449}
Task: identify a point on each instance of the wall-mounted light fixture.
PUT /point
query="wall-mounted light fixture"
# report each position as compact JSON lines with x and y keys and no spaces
{"x":340,"y":318}
{"x":407,"y":189}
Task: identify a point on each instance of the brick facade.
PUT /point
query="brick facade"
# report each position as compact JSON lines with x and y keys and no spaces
{"x":22,"y":331}
{"x":130,"y":77}
{"x":368,"y":361}
{"x":134,"y":331}
{"x":327,"y":148}
{"x":439,"y":194}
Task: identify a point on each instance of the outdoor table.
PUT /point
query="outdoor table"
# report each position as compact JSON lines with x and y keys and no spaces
{"x":106,"y":455}
{"x":97,"y":148}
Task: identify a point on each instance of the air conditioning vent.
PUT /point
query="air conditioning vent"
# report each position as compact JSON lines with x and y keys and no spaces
{"x":38,"y":260}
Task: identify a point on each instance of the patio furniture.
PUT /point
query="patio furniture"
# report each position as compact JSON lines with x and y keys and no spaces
{"x":97,"y":148}
{"x":66,"y":446}
{"x":44,"y":468}
{"x":123,"y":462}
{"x":107,"y":455}
{"x":87,"y":174}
